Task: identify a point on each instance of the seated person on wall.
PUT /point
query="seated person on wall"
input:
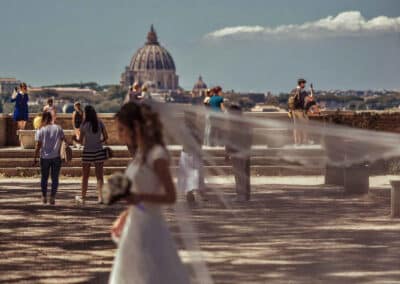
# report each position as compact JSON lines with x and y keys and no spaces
{"x":51,"y":109}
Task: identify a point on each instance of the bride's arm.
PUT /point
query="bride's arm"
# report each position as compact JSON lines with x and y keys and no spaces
{"x":119,"y":223}
{"x":161,"y":169}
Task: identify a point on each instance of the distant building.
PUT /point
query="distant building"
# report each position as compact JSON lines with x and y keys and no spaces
{"x":151,"y":65}
{"x":200,"y":88}
{"x":61,"y":91}
{"x":7,"y":85}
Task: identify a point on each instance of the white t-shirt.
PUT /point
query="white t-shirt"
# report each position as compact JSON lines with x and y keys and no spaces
{"x":50,"y":136}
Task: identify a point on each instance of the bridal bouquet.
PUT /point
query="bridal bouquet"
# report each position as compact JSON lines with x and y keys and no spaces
{"x":118,"y":187}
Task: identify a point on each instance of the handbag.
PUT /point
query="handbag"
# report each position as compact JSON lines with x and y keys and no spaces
{"x":65,"y":152}
{"x":109,"y":152}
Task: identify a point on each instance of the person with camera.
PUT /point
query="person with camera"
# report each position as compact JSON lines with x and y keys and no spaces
{"x":20,"y":98}
{"x":298,"y":112}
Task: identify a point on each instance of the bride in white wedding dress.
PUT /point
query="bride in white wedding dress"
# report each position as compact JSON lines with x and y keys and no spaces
{"x":146,"y":253}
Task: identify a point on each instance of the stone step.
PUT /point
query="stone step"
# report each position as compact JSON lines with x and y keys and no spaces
{"x":213,"y":161}
{"x":122,"y":152}
{"x":209,"y":171}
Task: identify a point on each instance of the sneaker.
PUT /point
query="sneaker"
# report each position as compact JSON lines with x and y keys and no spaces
{"x":100,"y":200}
{"x":44,"y":199}
{"x":79,"y":200}
{"x":52,"y":200}
{"x":190,"y":197}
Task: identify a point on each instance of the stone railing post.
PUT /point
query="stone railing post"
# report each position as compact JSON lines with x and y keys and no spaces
{"x":395,"y":199}
{"x":356,"y":179}
{"x":334,"y":175}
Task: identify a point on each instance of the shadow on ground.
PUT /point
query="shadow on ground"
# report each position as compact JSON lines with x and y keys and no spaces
{"x":286,"y":234}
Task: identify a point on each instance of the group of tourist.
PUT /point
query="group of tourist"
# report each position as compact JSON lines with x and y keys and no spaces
{"x":146,"y":251}
{"x":89,"y":131}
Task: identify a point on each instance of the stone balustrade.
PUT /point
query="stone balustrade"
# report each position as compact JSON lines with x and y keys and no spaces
{"x":8,"y":129}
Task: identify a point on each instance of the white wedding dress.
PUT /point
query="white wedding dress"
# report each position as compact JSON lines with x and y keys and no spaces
{"x":146,"y":253}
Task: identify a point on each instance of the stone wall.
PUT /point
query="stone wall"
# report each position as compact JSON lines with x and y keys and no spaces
{"x":374,"y":120}
{"x":382,"y":121}
{"x":9,"y":132}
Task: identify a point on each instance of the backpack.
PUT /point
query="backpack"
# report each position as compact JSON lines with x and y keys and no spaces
{"x":293,"y":100}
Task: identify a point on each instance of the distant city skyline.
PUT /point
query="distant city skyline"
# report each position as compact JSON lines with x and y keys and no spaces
{"x":257,"y":46}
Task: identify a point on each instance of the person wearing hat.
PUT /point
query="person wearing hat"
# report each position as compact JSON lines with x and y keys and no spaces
{"x":298,"y":112}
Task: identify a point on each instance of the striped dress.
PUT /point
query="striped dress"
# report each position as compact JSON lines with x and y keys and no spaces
{"x":93,"y":151}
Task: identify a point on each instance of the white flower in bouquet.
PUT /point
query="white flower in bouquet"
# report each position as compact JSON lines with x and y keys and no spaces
{"x":118,"y":186}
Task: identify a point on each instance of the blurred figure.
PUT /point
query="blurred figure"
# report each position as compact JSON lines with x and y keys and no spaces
{"x":146,"y":250}
{"x":207,"y":122}
{"x":216,"y":104}
{"x":92,"y":134}
{"x":21,"y":112}
{"x":134,"y":94}
{"x":191,"y":171}
{"x":297,"y":103}
{"x":238,"y":151}
{"x":146,"y":95}
{"x":311,"y":107}
{"x":48,"y":142}
{"x":51,"y":109}
{"x":77,"y":119}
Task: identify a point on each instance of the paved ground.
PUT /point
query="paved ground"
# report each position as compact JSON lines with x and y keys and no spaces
{"x":294,"y":231}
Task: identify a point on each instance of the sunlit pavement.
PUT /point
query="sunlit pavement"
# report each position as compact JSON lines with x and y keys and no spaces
{"x":295,"y":230}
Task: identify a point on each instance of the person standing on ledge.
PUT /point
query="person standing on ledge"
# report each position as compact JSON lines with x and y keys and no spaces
{"x":21,"y":111}
{"x":48,"y":143}
{"x":297,"y":101}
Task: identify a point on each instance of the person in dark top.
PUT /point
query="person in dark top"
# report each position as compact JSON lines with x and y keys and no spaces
{"x":77,"y":118}
{"x":298,"y":114}
{"x":21,"y":111}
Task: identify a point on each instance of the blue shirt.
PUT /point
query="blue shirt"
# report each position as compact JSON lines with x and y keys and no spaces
{"x":216,"y":102}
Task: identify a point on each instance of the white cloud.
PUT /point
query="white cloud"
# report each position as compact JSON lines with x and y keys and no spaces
{"x":350,"y":23}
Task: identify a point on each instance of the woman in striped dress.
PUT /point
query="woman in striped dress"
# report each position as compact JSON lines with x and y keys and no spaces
{"x":93,"y":135}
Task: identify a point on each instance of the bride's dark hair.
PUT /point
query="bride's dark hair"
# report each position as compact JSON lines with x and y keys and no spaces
{"x":150,"y":127}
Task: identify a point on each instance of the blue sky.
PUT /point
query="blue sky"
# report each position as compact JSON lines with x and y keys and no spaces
{"x":60,"y":41}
